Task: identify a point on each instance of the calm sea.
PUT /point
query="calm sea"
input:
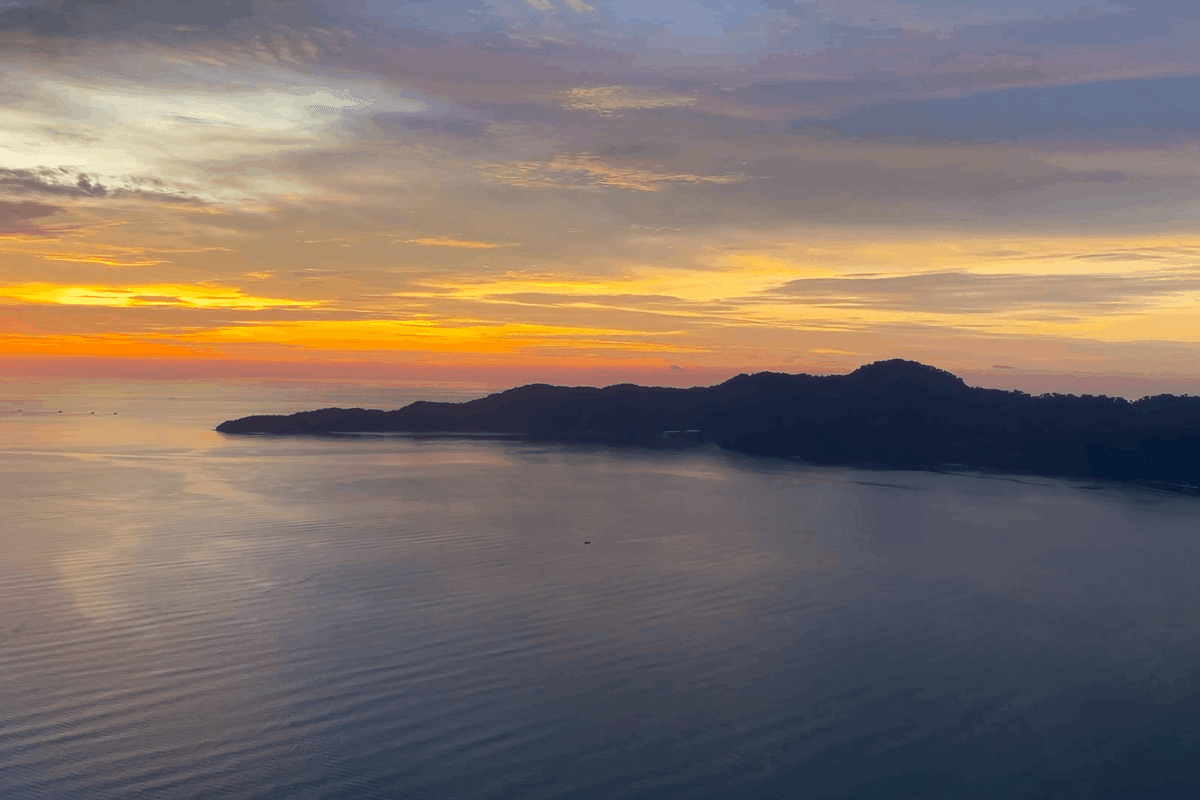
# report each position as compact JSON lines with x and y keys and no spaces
{"x":187,"y":615}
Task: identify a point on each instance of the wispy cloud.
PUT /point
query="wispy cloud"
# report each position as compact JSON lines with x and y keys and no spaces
{"x":586,"y":171}
{"x":97,"y":259}
{"x":60,"y":181}
{"x":611,"y":100}
{"x":1070,"y":295}
{"x":467,"y":244}
{"x":17,"y":218}
{"x":749,"y":184}
{"x":192,"y":296}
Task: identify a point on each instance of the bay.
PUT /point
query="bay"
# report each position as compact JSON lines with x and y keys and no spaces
{"x":189,"y":615}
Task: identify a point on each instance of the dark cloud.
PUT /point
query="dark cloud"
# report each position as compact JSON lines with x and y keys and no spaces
{"x":59,"y":182}
{"x":1175,"y":9}
{"x":41,"y":21}
{"x":1077,"y":29}
{"x":1140,"y":108}
{"x":56,"y":17}
{"x":128,"y":13}
{"x":156,"y":196}
{"x":18,"y":217}
{"x":963,"y":292}
{"x":793,"y":7}
{"x":64,"y":182}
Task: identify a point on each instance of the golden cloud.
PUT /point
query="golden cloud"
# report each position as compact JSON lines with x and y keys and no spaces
{"x":442,"y":241}
{"x":609,"y":100}
{"x":584,"y":171}
{"x":101,"y":260}
{"x":146,"y":295}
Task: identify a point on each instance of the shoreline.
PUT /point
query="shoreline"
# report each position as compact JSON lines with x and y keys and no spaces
{"x":967,"y":470}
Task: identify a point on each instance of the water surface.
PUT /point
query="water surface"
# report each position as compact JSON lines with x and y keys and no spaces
{"x":189,"y":615}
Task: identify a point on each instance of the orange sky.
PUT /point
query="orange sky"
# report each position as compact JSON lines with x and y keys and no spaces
{"x":268,"y":194}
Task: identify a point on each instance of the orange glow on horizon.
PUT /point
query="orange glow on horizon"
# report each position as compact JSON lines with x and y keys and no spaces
{"x":459,"y":336}
{"x":714,"y":305}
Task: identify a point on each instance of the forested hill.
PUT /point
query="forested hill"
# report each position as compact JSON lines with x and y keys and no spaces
{"x":890,"y":413}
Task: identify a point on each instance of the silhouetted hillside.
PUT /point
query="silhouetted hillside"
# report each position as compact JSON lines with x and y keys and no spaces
{"x":890,"y":413}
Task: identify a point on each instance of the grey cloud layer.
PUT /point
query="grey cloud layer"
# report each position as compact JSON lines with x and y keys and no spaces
{"x":518,"y":139}
{"x":1138,"y":109}
{"x":67,"y":183}
{"x":1065,"y":296}
{"x":735,"y":41}
{"x":19,"y":217}
{"x":63,"y":17}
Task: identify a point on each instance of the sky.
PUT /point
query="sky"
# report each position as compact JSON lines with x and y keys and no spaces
{"x":655,"y":191}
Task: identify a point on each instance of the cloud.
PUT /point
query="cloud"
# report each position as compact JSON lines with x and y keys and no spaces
{"x":439,"y":241}
{"x":1139,"y":108}
{"x":58,"y":17}
{"x":609,"y":100}
{"x":65,"y":182}
{"x":800,"y":92}
{"x":582,"y":298}
{"x":157,"y":299}
{"x":194,"y":296}
{"x":587,"y":171}
{"x":442,"y":124}
{"x":41,"y":21}
{"x":60,"y":182}
{"x":17,"y":217}
{"x":105,"y":261}
{"x":1067,"y":296}
{"x":1073,"y":29}
{"x":490,"y":163}
{"x":191,"y":132}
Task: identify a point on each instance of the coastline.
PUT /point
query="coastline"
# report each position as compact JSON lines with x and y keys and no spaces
{"x":888,"y":415}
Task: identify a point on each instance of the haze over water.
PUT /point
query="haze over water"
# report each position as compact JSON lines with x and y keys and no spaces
{"x":189,"y":615}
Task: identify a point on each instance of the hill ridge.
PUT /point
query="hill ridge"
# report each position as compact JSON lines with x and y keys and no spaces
{"x":894,"y":413}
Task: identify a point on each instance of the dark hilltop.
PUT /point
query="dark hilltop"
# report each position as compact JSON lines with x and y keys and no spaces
{"x":896,"y":414}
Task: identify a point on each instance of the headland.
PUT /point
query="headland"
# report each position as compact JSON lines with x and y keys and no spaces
{"x":894,"y":414}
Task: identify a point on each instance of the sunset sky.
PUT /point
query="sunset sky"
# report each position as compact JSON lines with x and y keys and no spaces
{"x":656,"y":191}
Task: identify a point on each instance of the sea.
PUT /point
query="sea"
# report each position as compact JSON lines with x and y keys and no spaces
{"x":185,"y":614}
